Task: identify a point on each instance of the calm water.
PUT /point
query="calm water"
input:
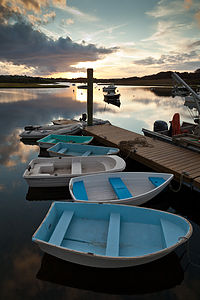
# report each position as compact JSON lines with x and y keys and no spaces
{"x":26,"y":273}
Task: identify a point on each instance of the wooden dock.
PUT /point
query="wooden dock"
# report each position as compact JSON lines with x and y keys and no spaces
{"x":155,"y":154}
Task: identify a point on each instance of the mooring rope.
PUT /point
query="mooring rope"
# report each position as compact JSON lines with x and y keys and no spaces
{"x":180,"y":183}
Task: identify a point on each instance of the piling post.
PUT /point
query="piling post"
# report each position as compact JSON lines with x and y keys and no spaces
{"x":90,"y":97}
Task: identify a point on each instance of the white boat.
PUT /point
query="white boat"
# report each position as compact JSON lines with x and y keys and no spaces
{"x":190,"y":101}
{"x":110,"y":236}
{"x":47,"y":172}
{"x":133,"y":188}
{"x":109,"y":88}
{"x":96,"y":121}
{"x":65,"y":121}
{"x":42,"y":131}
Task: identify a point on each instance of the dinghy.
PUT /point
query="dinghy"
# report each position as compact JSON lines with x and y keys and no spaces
{"x":53,"y":139}
{"x":55,"y":171}
{"x":110,"y":236}
{"x":67,"y":149}
{"x":133,"y":188}
{"x":40,"y":132}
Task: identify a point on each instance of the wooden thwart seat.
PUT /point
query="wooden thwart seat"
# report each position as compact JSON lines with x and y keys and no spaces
{"x":167,"y":231}
{"x":120,"y":188}
{"x":76,"y":167}
{"x":61,"y":228}
{"x":63,"y":150}
{"x":87,"y":153}
{"x":112,"y":247}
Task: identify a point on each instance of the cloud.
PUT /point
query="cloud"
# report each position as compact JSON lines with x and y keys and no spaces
{"x":165,"y":9}
{"x":77,"y":13}
{"x":174,"y":58}
{"x":37,"y":10}
{"x":195,"y":44}
{"x":68,"y":21}
{"x":188,"y":4}
{"x":197,"y":17}
{"x":17,"y":9}
{"x":21,"y":44}
{"x":173,"y":61}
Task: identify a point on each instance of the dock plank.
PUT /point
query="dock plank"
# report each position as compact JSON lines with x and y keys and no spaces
{"x":155,"y":154}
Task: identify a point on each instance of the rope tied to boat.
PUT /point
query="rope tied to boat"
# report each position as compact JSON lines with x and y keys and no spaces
{"x":180,"y":183}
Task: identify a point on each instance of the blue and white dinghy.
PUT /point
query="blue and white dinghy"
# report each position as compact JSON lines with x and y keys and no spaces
{"x":67,"y":149}
{"x":134,"y":188}
{"x":110,"y":236}
{"x":53,"y":139}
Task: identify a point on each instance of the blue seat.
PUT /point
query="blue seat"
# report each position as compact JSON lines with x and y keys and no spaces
{"x":156,"y":181}
{"x":112,"y":247}
{"x":120,"y":188}
{"x":79,"y":190}
{"x":61,"y":228}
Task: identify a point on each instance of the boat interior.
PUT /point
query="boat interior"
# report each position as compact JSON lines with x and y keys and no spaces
{"x":111,"y":233}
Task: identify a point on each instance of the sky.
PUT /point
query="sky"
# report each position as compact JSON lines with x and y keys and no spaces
{"x":62,"y":38}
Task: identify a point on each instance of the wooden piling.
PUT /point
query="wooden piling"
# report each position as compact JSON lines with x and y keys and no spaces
{"x":90,"y":97}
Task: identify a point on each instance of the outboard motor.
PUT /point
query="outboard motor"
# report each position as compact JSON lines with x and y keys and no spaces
{"x":160,"y":126}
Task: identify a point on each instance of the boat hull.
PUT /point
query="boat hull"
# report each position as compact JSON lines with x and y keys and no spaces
{"x":52,"y":139}
{"x":53,"y":129}
{"x":137,"y":187}
{"x":66,"y":149}
{"x":92,"y":260}
{"x":55,"y":172}
{"x":90,"y":238}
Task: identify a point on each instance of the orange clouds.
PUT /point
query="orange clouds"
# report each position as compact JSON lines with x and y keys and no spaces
{"x":20,"y":8}
{"x":197,"y":17}
{"x":188,"y":4}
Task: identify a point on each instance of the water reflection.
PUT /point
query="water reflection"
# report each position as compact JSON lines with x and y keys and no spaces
{"x":50,"y":193}
{"x":16,"y":95}
{"x":12,"y":152}
{"x":41,"y":106}
{"x":22,"y":209}
{"x":23,"y":262}
{"x":160,"y":275}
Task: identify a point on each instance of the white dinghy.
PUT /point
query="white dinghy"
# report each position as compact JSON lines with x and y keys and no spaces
{"x":47,"y":172}
{"x":133,"y":188}
{"x":110,"y":236}
{"x":34,"y":132}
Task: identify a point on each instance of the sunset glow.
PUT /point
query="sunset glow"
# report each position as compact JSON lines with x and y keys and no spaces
{"x":63,"y":39}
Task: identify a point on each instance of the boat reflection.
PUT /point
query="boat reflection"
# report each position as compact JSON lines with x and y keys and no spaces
{"x":48,"y":193}
{"x":113,"y":102}
{"x":159,"y":275}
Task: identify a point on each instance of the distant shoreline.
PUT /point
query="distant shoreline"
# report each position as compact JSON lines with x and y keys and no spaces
{"x":14,"y":85}
{"x":157,"y":84}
